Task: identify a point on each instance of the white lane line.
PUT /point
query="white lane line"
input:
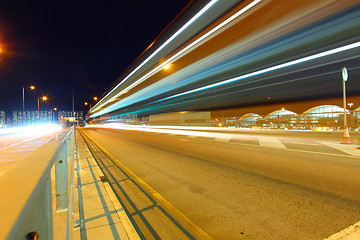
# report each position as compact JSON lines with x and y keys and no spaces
{"x":346,"y":148}
{"x":191,"y":136}
{"x":222,"y":139}
{"x":271,"y":142}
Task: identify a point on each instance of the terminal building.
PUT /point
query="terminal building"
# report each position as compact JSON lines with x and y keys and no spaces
{"x":330,"y":116}
{"x":69,"y":114}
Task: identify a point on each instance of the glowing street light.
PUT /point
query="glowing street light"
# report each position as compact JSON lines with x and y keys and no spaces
{"x":32,"y":87}
{"x":44,"y":99}
{"x":52,"y":116}
{"x":95,"y":98}
{"x":86,"y":103}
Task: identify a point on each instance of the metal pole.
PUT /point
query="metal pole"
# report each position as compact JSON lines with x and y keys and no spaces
{"x":23,"y":99}
{"x":346,"y":138}
{"x":344,"y":102}
{"x":23,"y":104}
{"x":73,"y":106}
{"x":39,"y":110}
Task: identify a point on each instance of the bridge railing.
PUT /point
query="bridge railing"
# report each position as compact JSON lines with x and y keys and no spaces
{"x":37,"y":193}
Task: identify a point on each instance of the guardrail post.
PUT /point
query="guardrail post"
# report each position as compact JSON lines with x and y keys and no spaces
{"x":61,"y":178}
{"x":70,"y":142}
{"x":71,"y":158}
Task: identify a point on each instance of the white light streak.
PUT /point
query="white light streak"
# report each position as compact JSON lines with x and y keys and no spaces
{"x":266,"y":70}
{"x":40,"y":129}
{"x":202,"y":11}
{"x":181,"y":53}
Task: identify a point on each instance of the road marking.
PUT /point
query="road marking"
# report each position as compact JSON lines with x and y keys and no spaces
{"x":223,"y":139}
{"x":271,"y":142}
{"x":129,"y":228}
{"x":179,"y":216}
{"x":191,"y":136}
{"x":346,"y":148}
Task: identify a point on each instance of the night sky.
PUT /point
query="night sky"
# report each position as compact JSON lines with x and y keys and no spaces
{"x":57,"y":45}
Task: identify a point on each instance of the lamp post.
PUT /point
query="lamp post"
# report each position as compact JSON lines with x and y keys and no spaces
{"x":43,"y":98}
{"x":86,"y":103}
{"x":346,"y":137}
{"x":23,"y":93}
{"x":52,"y":116}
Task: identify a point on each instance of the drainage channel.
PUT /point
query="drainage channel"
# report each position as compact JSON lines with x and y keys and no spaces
{"x":151,"y":215}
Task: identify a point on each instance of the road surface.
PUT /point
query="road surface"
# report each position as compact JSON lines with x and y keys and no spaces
{"x":249,"y":186}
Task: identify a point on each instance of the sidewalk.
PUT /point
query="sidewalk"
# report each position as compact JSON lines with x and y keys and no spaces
{"x":95,"y":205}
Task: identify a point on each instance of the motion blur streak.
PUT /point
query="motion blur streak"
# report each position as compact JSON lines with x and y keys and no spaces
{"x":189,"y":131}
{"x":256,"y":50}
{"x":183,"y":51}
{"x":168,"y":41}
{"x":40,"y":129}
{"x":284,"y":65}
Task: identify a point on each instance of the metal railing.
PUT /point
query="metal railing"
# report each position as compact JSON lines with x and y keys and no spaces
{"x":38,"y":192}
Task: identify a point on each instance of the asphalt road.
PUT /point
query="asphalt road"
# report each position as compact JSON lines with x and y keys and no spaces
{"x":240,"y":190}
{"x":15,"y":146}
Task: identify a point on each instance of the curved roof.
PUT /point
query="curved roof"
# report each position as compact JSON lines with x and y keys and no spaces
{"x":277,"y":113}
{"x":357,"y":109}
{"x":324,"y":109}
{"x":250,"y":117}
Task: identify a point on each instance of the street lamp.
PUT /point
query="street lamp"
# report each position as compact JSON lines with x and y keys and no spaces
{"x":86,"y":103}
{"x":95,"y":98}
{"x":346,"y":138}
{"x":52,"y":116}
{"x":43,"y":98}
{"x":23,"y":92}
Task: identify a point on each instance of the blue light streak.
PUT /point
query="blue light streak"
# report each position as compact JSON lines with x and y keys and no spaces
{"x":186,"y":25}
{"x":266,"y":70}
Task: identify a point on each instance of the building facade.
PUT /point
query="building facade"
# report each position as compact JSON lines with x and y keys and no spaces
{"x":79,"y":115}
{"x":2,"y":119}
{"x":31,"y":117}
{"x":330,"y":116}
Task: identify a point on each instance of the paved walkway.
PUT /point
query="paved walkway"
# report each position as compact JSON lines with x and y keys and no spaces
{"x":101,"y":215}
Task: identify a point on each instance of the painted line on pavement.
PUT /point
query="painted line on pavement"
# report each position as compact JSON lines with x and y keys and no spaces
{"x":170,"y":208}
{"x":271,"y":142}
{"x":346,"y":148}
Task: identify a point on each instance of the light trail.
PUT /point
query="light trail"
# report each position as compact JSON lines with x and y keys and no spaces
{"x":202,"y":11}
{"x":181,"y":53}
{"x":275,"y":38}
{"x":40,"y":129}
{"x":189,"y":131}
{"x":266,"y":70}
